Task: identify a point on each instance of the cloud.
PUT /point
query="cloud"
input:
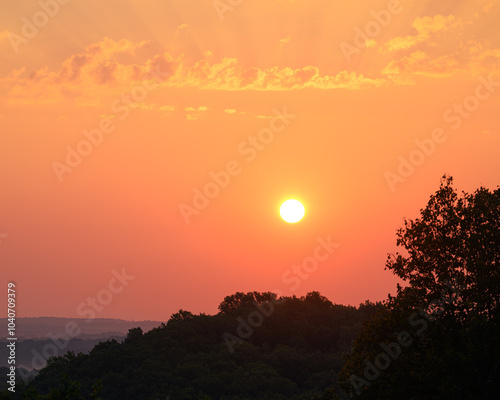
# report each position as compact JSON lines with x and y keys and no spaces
{"x":488,"y":6}
{"x":194,"y":113}
{"x":370,"y":43}
{"x":284,"y":42}
{"x":428,"y":29}
{"x":442,"y":47}
{"x":86,"y":76}
{"x":98,"y":71}
{"x":230,"y":111}
{"x":229,"y":75}
{"x":149,"y":107}
{"x":474,"y":59}
{"x":109,"y":47}
{"x":199,"y":109}
{"x":484,"y":59}
{"x":420,"y":63}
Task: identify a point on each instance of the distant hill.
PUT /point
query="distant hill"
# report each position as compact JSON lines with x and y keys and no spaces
{"x":41,"y":327}
{"x":40,"y":338}
{"x":33,"y":354}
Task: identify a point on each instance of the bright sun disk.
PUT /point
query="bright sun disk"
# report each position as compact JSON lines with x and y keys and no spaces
{"x":292,"y":211}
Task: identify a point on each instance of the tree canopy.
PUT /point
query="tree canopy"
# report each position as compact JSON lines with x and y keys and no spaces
{"x":294,"y":351}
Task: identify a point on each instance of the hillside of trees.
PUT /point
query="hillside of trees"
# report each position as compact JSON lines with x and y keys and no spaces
{"x":438,"y":338}
{"x":256,"y":347}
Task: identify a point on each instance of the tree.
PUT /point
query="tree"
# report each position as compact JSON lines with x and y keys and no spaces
{"x":456,"y":241}
{"x":133,"y":335}
{"x":439,"y":337}
{"x":182,"y":315}
{"x":240,"y":300}
{"x":68,"y":390}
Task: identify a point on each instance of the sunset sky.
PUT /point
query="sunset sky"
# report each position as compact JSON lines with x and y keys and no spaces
{"x":115,"y":115}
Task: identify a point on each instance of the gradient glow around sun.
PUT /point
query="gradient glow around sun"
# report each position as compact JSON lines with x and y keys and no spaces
{"x":292,"y":211}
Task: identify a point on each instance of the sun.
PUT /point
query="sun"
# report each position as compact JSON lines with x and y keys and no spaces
{"x":292,"y":211}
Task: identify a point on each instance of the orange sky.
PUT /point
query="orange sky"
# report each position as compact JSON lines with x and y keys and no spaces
{"x":357,"y":109}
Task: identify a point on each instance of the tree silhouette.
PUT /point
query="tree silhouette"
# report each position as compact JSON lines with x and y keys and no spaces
{"x":439,"y":336}
{"x":239,"y":301}
{"x":294,"y":353}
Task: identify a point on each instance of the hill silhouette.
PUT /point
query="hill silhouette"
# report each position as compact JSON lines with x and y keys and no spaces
{"x":295,"y":351}
{"x":42,"y":327}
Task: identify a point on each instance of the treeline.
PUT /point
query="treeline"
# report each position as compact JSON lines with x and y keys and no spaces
{"x":256,"y":347}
